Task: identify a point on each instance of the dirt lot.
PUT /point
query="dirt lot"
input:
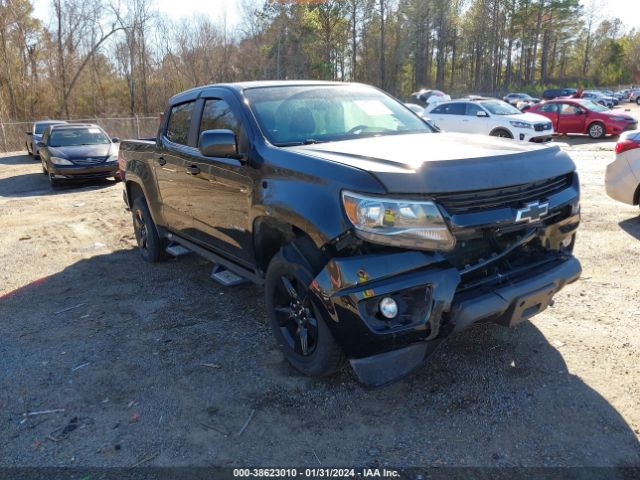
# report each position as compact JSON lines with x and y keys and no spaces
{"x":141,"y":356}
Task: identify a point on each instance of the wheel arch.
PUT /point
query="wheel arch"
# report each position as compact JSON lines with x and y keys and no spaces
{"x":604,"y":126}
{"x":271,"y":235}
{"x":501,"y":129}
{"x":636,"y":196}
{"x":134,"y":189}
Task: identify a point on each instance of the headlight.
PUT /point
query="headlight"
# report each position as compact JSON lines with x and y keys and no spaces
{"x":60,"y":161}
{"x":112,"y":158}
{"x":400,"y":223}
{"x":521,"y":125}
{"x":620,"y":119}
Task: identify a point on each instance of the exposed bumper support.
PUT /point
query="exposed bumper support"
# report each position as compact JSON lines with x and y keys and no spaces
{"x":396,"y":353}
{"x":514,"y":303}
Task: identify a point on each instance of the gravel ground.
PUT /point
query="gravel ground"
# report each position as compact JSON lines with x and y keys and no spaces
{"x":155,"y":363}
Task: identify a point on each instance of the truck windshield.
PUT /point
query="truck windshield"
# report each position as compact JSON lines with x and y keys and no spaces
{"x":68,"y":137}
{"x":323,"y":113}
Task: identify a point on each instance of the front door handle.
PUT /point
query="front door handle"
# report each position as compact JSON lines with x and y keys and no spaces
{"x":193,"y":170}
{"x":162,"y":161}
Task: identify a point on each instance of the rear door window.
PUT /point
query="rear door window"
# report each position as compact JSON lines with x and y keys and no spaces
{"x":179,"y":123}
{"x":451,"y":109}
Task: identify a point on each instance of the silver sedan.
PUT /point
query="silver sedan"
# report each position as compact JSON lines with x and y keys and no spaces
{"x":35,"y":134}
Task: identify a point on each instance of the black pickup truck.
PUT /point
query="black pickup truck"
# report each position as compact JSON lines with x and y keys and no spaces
{"x":374,"y":236}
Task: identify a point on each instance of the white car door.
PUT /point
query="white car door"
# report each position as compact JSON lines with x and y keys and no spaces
{"x":448,"y":116}
{"x":473,"y":123}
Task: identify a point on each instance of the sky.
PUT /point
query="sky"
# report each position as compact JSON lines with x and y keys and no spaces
{"x":626,"y":10}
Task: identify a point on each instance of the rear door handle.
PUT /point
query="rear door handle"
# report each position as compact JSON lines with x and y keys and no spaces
{"x":162,"y":161}
{"x":193,"y":170}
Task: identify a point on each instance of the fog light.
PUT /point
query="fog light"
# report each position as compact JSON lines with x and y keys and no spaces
{"x":388,"y":307}
{"x":566,"y":242}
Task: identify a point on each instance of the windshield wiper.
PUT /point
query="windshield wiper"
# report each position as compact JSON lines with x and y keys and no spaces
{"x":309,"y":141}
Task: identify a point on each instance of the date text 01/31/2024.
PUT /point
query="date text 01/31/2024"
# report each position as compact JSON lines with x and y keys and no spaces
{"x":315,"y":473}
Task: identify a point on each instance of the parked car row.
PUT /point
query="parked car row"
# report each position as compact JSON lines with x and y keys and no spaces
{"x":491,"y":117}
{"x":73,"y":151}
{"x":522,"y":117}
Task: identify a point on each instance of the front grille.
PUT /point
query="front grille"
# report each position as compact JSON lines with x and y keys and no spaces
{"x":89,"y":161}
{"x":506,"y":197}
{"x":541,"y":127}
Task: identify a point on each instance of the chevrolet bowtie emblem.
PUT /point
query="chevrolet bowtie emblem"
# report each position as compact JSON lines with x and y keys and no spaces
{"x":532,"y":212}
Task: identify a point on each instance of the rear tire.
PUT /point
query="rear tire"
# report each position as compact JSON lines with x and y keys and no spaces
{"x":597,"y":130}
{"x":150,"y":245}
{"x":296,"y":320}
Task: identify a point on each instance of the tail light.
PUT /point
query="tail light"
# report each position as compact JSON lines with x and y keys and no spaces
{"x":626,"y":145}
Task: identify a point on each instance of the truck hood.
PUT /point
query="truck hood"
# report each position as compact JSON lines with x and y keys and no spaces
{"x":445,"y":162}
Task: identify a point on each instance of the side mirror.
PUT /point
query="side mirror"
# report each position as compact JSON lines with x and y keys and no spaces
{"x":579,"y":112}
{"x":115,"y":140}
{"x":40,"y":145}
{"x":481,"y":113}
{"x":218,"y":143}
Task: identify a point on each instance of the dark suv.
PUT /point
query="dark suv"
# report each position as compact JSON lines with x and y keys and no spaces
{"x":558,"y":92}
{"x":374,"y":236}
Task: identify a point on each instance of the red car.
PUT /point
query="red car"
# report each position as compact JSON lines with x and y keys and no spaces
{"x":584,"y":116}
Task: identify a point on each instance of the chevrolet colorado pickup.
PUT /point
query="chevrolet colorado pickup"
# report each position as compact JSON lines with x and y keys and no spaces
{"x":375,"y":237}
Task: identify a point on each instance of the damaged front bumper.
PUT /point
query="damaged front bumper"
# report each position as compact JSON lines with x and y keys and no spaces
{"x":382,"y":351}
{"x":434,"y":298}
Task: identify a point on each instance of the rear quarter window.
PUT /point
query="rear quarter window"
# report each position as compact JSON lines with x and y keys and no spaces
{"x":179,"y":123}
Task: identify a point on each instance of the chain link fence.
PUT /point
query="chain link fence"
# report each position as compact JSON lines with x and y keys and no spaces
{"x":13,"y":135}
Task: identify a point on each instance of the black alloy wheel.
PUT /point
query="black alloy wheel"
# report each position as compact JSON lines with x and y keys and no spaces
{"x":140,"y":229}
{"x":150,"y":245}
{"x":296,"y":318}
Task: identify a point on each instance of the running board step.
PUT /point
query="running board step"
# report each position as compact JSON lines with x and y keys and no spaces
{"x":226,"y":277}
{"x":177,"y":250}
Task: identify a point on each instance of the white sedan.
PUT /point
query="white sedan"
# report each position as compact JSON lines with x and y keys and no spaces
{"x":622,"y":180}
{"x":491,"y":117}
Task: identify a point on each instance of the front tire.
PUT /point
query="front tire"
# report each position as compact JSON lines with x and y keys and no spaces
{"x":502,"y":133}
{"x":597,"y":130}
{"x":53,"y":182}
{"x":295,"y":318}
{"x":150,"y":244}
